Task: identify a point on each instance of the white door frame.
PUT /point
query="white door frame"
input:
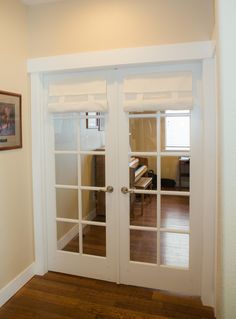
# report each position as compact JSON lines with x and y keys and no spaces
{"x":178,"y":53}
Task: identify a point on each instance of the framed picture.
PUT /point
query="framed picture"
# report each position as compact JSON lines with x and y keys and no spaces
{"x":10,"y":121}
{"x":93,"y":122}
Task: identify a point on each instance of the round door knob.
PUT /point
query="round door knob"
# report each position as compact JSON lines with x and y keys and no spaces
{"x":109,"y":189}
{"x":125,"y":190}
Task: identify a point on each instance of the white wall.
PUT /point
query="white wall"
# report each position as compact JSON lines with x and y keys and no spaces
{"x":226,"y":21}
{"x":16,"y":228}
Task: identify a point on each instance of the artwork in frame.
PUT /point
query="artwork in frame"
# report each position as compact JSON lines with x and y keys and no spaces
{"x":92,"y":122}
{"x":95,"y":120}
{"x":10,"y":121}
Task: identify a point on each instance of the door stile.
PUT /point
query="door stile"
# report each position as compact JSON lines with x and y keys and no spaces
{"x":123,"y":180}
{"x":79,"y":188}
{"x":158,"y":189}
{"x":111,"y":177}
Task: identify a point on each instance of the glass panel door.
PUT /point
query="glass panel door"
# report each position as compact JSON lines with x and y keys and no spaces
{"x":156,"y":192}
{"x":80,"y":194}
{"x":123,"y":193}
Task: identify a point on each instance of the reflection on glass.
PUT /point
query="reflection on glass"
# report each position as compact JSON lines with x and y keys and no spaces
{"x":65,"y":132}
{"x":143,"y":210}
{"x":68,"y":237}
{"x":66,"y":169}
{"x":94,"y":240}
{"x":143,"y":246}
{"x":175,"y":173}
{"x":143,"y":135}
{"x":143,"y":172}
{"x":94,"y":205}
{"x":93,"y":170}
{"x":67,"y":203}
{"x":175,"y":249}
{"x":92,"y":134}
{"x":175,"y":212}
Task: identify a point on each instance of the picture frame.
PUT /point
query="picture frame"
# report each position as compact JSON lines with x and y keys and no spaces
{"x":10,"y":121}
{"x":93,"y":122}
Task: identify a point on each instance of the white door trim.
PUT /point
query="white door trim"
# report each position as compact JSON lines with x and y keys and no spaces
{"x":191,"y":51}
{"x":210,"y":180}
{"x":177,"y":53}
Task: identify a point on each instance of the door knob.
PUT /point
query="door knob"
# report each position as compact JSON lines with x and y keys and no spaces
{"x":109,"y":189}
{"x":125,"y":190}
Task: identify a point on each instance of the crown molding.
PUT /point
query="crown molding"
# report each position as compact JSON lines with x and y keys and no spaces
{"x":185,"y":52}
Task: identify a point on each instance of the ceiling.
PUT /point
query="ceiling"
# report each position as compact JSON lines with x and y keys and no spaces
{"x":34,"y":2}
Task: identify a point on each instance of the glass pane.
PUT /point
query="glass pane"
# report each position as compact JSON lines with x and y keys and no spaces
{"x":175,"y":173}
{"x":68,"y":236}
{"x":143,"y":210}
{"x":184,"y":173}
{"x":93,"y":170}
{"x":175,"y":249}
{"x":175,"y":212}
{"x":66,"y":169}
{"x":94,"y":240}
{"x":143,"y":172}
{"x":67,"y":203}
{"x":143,"y":135}
{"x":143,"y":246}
{"x":92,"y":134}
{"x":65,"y":131}
{"x":94,"y":205}
{"x":175,"y":132}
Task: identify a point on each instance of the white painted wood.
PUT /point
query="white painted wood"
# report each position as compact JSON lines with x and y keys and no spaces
{"x":191,"y":51}
{"x":80,"y":263}
{"x":16,"y":284}
{"x":67,"y":220}
{"x":38,"y":174}
{"x":87,"y":222}
{"x":210,"y":181}
{"x":163,"y":55}
{"x":168,"y":278}
{"x":35,"y":2}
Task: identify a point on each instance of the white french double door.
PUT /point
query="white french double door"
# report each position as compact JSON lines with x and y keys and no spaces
{"x":119,"y":206}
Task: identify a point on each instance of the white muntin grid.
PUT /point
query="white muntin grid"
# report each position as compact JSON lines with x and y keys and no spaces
{"x":158,"y":155}
{"x":79,"y":187}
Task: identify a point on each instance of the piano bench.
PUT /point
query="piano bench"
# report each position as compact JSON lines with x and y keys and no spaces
{"x":143,"y":183}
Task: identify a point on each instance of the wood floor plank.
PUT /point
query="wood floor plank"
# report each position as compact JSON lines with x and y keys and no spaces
{"x":60,"y":296}
{"x":143,"y":293}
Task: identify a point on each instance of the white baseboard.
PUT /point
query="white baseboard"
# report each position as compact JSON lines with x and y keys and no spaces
{"x":17,"y":283}
{"x":64,"y":240}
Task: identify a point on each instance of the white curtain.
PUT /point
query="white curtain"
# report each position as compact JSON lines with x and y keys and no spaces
{"x":158,"y":92}
{"x":89,"y":106}
{"x":77,"y":95}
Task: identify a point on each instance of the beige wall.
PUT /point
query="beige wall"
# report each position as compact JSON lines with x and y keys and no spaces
{"x":87,"y":25}
{"x":16,"y":229}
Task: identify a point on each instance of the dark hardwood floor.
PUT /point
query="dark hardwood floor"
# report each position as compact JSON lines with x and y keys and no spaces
{"x":59,"y":296}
